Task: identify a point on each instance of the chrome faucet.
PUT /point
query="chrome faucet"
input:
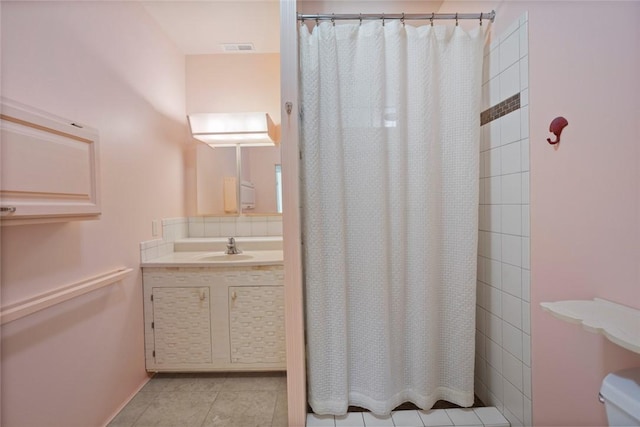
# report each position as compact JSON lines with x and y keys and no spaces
{"x":231,"y":247}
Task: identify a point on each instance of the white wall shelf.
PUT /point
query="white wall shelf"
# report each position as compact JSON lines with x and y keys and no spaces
{"x":620,"y":324}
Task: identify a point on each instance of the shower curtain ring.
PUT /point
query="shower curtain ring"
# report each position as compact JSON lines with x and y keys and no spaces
{"x":402,"y":19}
{"x":383,"y":19}
{"x":456,"y":19}
{"x":360,"y":19}
{"x":481,"y":18}
{"x":432,"y":16}
{"x":333,"y":19}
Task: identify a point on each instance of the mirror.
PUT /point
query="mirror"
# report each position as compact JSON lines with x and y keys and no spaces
{"x":212,"y":165}
{"x":260,"y":166}
{"x":232,"y":83}
{"x":217,"y":182}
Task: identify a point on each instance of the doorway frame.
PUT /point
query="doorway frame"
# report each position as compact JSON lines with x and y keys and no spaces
{"x":290,"y":152}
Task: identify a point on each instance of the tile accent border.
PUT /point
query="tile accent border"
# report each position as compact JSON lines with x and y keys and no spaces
{"x":500,"y":109}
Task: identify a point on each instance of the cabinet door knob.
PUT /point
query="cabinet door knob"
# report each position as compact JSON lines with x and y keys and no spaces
{"x":233,"y":295}
{"x":202,"y":295}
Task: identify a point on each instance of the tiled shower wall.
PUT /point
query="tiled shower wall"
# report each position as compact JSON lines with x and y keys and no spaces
{"x":204,"y":226}
{"x":503,"y":340}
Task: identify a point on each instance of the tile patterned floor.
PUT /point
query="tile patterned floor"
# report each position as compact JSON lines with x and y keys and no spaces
{"x":208,"y":400}
{"x":260,"y":400}
{"x":473,"y":417}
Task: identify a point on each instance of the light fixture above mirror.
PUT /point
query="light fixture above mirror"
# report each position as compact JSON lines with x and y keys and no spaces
{"x":234,"y":129}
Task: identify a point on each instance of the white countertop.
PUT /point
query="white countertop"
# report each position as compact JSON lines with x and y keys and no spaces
{"x":216,"y":259}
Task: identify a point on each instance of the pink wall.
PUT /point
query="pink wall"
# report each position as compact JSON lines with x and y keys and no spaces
{"x":98,"y":63}
{"x":368,"y":6}
{"x":230,"y":83}
{"x":585,"y":196}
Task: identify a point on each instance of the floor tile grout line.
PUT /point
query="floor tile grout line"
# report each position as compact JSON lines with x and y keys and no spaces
{"x":142,"y":412}
{"x":275,"y":406}
{"x":273,"y":414}
{"x":204,"y":421}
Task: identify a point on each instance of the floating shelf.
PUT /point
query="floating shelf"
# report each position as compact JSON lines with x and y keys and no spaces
{"x":620,"y":324}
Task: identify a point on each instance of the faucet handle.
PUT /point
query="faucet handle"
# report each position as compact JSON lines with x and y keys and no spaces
{"x":231,"y":247}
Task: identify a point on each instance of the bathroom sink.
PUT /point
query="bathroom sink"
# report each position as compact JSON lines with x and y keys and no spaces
{"x":216,"y":259}
{"x":225,"y":257}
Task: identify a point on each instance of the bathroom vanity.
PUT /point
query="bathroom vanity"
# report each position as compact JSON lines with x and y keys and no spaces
{"x":207,"y":311}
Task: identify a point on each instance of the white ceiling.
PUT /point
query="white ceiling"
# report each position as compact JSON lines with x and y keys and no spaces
{"x":200,"y":27}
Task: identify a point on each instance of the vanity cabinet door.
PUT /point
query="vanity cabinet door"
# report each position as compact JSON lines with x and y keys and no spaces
{"x":256,"y":317}
{"x":182,"y":325}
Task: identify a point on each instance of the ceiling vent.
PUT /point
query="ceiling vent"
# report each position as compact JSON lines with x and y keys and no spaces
{"x":238,"y":47}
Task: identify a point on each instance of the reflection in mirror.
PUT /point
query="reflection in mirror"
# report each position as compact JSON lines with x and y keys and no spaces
{"x":212,"y":166}
{"x":218,"y":183}
{"x":258,"y":168}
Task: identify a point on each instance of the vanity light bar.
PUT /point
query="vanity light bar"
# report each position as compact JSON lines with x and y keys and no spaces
{"x":231,"y":129}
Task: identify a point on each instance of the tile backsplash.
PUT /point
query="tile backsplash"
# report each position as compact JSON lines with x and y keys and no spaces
{"x":151,"y":249}
{"x":174,"y":229}
{"x":209,"y":226}
{"x":242,"y":226}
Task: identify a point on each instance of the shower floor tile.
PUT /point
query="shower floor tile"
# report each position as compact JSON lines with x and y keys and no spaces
{"x":314,"y":420}
{"x":406,"y":419}
{"x":352,"y":419}
{"x":371,"y":420}
{"x":469,"y":417}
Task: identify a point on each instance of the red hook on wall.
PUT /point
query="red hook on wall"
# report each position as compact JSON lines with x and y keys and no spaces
{"x":556,"y":127}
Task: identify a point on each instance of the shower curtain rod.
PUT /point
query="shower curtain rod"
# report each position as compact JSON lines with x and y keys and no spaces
{"x":396,"y":16}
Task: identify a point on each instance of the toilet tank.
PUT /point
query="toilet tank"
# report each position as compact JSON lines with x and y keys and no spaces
{"x":620,"y":392}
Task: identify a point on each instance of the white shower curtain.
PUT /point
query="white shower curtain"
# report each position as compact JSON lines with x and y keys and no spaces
{"x":390,"y":135}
